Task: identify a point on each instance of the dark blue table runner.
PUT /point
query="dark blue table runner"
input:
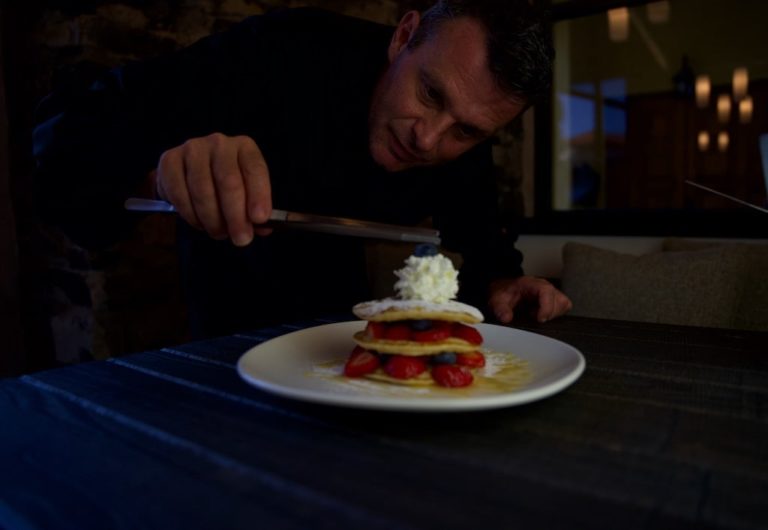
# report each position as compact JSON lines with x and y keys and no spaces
{"x":667,"y":427}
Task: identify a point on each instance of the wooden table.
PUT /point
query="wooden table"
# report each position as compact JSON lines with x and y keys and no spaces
{"x":666,"y":428}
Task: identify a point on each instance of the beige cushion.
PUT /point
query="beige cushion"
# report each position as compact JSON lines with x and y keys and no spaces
{"x":752,"y":311}
{"x":702,"y":287}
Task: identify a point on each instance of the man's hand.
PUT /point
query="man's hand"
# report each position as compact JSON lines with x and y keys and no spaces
{"x":545,"y":301}
{"x":219,"y":184}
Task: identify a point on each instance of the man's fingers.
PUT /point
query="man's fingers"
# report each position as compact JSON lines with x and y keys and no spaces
{"x":258,"y":188}
{"x":505,"y":314}
{"x":202,"y":191}
{"x":537,"y":295}
{"x":171,"y":185}
{"x":552,"y":304}
{"x":220,"y":184}
{"x":230,"y":190}
{"x":502,"y":303}
{"x":546,"y":309}
{"x":563,"y":304}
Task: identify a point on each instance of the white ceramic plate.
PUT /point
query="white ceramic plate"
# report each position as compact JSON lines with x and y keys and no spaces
{"x":306,"y":364}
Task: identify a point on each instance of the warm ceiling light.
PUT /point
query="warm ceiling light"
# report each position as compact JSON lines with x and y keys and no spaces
{"x":724,"y":108}
{"x":618,"y":24}
{"x":722,"y":141}
{"x":745,"y":110}
{"x":658,"y":12}
{"x":703,"y":90}
{"x":703,"y":141}
{"x":740,"y":83}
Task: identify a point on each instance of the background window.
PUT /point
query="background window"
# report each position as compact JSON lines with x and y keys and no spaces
{"x":649,"y":96}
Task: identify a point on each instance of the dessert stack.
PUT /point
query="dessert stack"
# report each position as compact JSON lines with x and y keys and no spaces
{"x":421,"y":336}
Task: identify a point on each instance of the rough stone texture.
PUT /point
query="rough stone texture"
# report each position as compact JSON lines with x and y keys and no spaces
{"x":133,"y":297}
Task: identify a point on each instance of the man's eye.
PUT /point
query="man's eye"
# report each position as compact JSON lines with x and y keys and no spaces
{"x":467,"y":133}
{"x":430,"y":94}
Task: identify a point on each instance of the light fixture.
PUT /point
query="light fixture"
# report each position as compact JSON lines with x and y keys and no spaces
{"x":658,"y":12}
{"x":722,"y":141}
{"x":703,"y":140}
{"x":724,"y":108}
{"x":618,"y":24}
{"x":745,"y":110}
{"x":703,"y":90}
{"x":740,"y":83}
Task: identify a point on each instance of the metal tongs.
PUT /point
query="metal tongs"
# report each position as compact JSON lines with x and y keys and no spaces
{"x":317,"y":223}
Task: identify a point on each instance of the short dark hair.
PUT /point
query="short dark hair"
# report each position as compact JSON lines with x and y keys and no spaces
{"x":520,"y":52}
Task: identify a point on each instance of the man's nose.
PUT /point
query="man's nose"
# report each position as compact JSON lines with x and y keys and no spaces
{"x":428,"y":130}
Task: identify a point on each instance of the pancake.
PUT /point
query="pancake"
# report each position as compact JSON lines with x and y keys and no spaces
{"x":391,"y":309}
{"x":412,"y":348}
{"x":423,"y":379}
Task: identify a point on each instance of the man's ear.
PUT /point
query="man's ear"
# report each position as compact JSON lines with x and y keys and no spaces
{"x":403,"y":33}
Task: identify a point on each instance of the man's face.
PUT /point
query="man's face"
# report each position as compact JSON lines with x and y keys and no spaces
{"x":438,"y":100}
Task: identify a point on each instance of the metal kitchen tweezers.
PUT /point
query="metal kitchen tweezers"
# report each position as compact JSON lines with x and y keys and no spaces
{"x":317,"y":223}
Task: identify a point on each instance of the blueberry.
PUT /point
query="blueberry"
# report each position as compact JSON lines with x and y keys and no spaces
{"x":424,"y":250}
{"x":447,"y":357}
{"x":421,"y":325}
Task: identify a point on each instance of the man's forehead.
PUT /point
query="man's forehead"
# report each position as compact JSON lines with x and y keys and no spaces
{"x":462,"y":39}
{"x":456,"y":64}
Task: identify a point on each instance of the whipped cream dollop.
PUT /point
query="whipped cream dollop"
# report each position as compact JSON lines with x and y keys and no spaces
{"x":427,"y":278}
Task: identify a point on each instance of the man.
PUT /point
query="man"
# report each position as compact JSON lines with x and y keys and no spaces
{"x":309,"y":111}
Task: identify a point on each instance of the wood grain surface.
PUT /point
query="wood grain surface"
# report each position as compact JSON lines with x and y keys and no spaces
{"x":666,"y":428}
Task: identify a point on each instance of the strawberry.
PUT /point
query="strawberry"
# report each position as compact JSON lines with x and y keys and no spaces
{"x":438,"y":331}
{"x":397,"y":332}
{"x":375,"y":330}
{"x":473,"y":359}
{"x":360,"y":362}
{"x":404,"y":367}
{"x":452,"y":375}
{"x":467,"y":333}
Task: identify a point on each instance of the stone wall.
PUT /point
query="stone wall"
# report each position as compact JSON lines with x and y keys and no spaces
{"x":81,"y":306}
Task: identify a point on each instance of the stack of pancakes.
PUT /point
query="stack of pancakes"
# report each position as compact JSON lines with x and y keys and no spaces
{"x":417,"y":342}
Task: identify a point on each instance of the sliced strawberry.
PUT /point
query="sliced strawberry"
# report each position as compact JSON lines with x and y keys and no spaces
{"x":439,"y":331}
{"x":360,"y":362}
{"x":452,"y":375}
{"x":375,"y":330}
{"x":397,"y":331}
{"x":404,"y":367}
{"x":468,"y":333}
{"x":473,"y":359}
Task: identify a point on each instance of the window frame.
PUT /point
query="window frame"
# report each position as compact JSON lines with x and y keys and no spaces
{"x":726,"y":223}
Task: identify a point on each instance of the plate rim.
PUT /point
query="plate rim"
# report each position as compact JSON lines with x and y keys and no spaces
{"x":406,"y":403}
